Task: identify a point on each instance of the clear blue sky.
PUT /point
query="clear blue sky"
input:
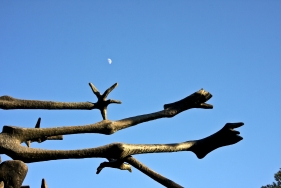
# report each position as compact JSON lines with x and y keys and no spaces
{"x":161,"y":52}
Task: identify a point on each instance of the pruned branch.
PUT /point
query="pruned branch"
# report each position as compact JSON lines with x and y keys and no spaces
{"x":195,"y":100}
{"x":7,"y":103}
{"x":10,"y":145}
{"x":102,"y":102}
{"x":118,"y":154}
{"x":10,"y":103}
{"x":226,"y":136}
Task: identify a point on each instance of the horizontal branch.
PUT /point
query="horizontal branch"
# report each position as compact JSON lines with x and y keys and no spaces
{"x":10,"y":103}
{"x":226,"y":136}
{"x":195,"y":100}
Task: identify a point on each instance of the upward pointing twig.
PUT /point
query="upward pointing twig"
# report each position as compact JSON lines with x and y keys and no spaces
{"x":42,"y":139}
{"x":44,"y":184}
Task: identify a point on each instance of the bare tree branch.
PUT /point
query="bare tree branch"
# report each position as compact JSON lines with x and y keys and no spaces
{"x":152,"y":174}
{"x":121,"y":165}
{"x":102,"y":102}
{"x":10,"y":145}
{"x":117,"y":153}
{"x":10,"y":103}
{"x":114,"y":163}
{"x":195,"y":100}
{"x":42,"y":139}
{"x":7,"y":103}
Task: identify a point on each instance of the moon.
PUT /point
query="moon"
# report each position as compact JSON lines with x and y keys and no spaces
{"x":109,"y":60}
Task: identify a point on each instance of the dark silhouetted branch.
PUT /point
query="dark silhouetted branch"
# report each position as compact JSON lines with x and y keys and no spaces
{"x":44,"y":184}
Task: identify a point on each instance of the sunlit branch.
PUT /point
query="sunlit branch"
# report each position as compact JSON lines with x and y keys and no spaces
{"x":195,"y":100}
{"x":226,"y":136}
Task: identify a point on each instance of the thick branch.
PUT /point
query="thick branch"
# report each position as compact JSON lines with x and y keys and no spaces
{"x":195,"y":100}
{"x":226,"y":136}
{"x":44,"y":138}
{"x":7,"y":103}
{"x":152,"y":174}
{"x":10,"y":103}
{"x":12,"y":173}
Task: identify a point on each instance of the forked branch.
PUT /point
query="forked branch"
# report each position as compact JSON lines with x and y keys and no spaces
{"x":118,"y":154}
{"x":152,"y":174}
{"x":195,"y":100}
{"x":121,"y":165}
{"x":226,"y":136}
{"x":7,"y":103}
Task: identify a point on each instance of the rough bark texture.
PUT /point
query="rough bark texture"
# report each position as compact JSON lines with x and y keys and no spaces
{"x":12,"y":173}
{"x":118,"y":154}
{"x":154,"y":175}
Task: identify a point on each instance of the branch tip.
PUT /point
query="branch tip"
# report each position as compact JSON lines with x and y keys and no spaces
{"x":113,"y":163}
{"x":109,"y":90}
{"x":44,"y":184}
{"x":95,"y":90}
{"x":38,"y":123}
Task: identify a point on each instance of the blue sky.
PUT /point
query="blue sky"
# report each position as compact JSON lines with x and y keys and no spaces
{"x":161,"y":52}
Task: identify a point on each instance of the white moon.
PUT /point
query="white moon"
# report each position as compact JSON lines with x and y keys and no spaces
{"x":109,"y":60}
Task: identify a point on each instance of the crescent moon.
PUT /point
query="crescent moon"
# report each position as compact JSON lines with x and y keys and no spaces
{"x":109,"y":60}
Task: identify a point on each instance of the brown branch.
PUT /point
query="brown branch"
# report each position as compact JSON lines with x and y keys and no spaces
{"x":10,"y":145}
{"x":152,"y":174}
{"x":12,"y":173}
{"x":195,"y":100}
{"x":10,"y":103}
{"x":42,"y":139}
{"x":114,"y":163}
{"x":121,"y":165}
{"x":102,"y":102}
{"x":7,"y":103}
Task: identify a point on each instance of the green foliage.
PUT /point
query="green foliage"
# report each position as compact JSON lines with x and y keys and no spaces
{"x":277,"y":177}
